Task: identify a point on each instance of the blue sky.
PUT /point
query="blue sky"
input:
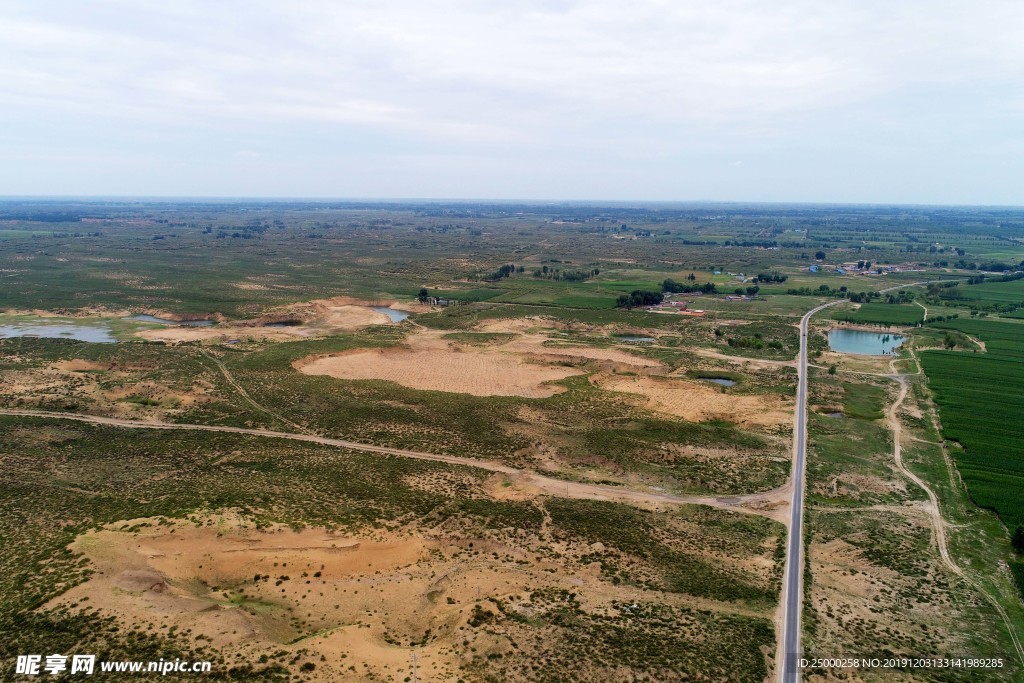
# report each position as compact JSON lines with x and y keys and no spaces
{"x":917,"y":101}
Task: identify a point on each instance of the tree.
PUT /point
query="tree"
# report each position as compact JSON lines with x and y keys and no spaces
{"x":832,"y":369}
{"x":639,"y":297}
{"x":820,"y":255}
{"x":423,"y":295}
{"x":1018,"y":539}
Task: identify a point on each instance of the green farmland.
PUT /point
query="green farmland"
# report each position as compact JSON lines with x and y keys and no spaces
{"x":980,"y":399}
{"x":987,"y":295}
{"x":883,"y":314}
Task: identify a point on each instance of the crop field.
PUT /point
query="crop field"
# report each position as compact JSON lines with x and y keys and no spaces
{"x":981,"y":403}
{"x":994,"y":292}
{"x":989,"y":296}
{"x":883,"y":314}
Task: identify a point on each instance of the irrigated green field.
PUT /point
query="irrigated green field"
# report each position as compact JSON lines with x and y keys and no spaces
{"x":981,"y":401}
{"x":883,"y":314}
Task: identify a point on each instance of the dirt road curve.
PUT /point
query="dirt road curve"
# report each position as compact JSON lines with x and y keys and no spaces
{"x":933,"y":509}
{"x":762,"y":504}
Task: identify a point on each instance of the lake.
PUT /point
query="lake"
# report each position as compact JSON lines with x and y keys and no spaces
{"x":720,"y":380}
{"x":864,"y":343}
{"x":99,"y":334}
{"x":396,"y":316}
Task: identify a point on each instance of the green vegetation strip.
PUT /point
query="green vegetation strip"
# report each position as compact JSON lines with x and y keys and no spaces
{"x":981,"y":403}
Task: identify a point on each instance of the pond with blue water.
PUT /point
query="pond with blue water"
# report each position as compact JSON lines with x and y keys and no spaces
{"x":97,"y":333}
{"x":395,"y":316}
{"x":864,"y":343}
{"x":722,"y":381}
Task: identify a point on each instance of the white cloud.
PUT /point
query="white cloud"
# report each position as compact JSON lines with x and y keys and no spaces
{"x":645,"y":79}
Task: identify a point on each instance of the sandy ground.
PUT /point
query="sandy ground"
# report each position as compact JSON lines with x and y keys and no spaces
{"x":872,"y":365}
{"x":757,"y":363}
{"x":699,"y":401}
{"x":79,"y":365}
{"x":540,"y":345}
{"x":523,"y":366}
{"x":315,"y":318}
{"x":347,"y":601}
{"x":221,"y":332}
{"x":474,"y":372}
{"x":519,"y":325}
{"x":346,"y":316}
{"x":114,"y":388}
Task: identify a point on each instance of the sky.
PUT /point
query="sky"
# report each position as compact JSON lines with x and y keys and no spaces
{"x":915,"y":101}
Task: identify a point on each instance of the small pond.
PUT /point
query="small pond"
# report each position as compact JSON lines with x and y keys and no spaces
{"x":396,"y":316}
{"x":89,"y":333}
{"x":165,"y":321}
{"x":864,"y":343}
{"x":632,"y":339}
{"x":720,"y":380}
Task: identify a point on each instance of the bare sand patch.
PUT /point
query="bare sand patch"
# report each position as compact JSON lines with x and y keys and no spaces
{"x":413,"y":307}
{"x":339,"y":315}
{"x":222,"y":332}
{"x":759,"y":363}
{"x":337,"y":599}
{"x":505,"y":487}
{"x":161,"y":394}
{"x":523,"y":366}
{"x":79,"y":365}
{"x":541,"y":345}
{"x":697,"y":402}
{"x":872,"y":365}
{"x":468,"y":371}
{"x":855,"y":486}
{"x":518,"y":325}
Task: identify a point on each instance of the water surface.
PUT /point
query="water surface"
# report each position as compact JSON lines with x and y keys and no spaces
{"x":864,"y":343}
{"x":99,"y":334}
{"x":396,"y":316}
{"x":719,"y":380}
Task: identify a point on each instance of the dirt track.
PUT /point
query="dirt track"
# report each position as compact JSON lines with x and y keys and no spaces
{"x":766,"y":504}
{"x":933,"y":508}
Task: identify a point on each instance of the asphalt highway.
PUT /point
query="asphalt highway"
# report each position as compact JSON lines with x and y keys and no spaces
{"x":792,"y":582}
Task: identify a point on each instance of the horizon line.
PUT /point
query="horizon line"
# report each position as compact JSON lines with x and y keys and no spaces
{"x":621,"y":203}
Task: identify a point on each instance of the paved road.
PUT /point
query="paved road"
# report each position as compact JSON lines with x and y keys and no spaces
{"x":792,"y":581}
{"x":793,"y":576}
